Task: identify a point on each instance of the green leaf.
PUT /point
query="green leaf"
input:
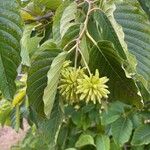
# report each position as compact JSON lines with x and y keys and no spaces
{"x":62,"y":137}
{"x":50,"y":4}
{"x":37,"y":77}
{"x":28,"y":43}
{"x":138,"y":147}
{"x":84,"y":49}
{"x":136,"y":119}
{"x":114,"y":146}
{"x":108,"y":32}
{"x":68,"y":17}
{"x":102,"y":142}
{"x":136,"y":27}
{"x":122,"y":130}
{"x":114,"y":111}
{"x":77,"y":118}
{"x":141,"y":135}
{"x":17,"y":118}
{"x":32,"y":140}
{"x":50,"y":128}
{"x":145,"y":4}
{"x":56,"y":23}
{"x":53,"y":79}
{"x":5,"y":109}
{"x":71,"y":34}
{"x":49,"y":44}
{"x":25,"y":57}
{"x":105,"y":58}
{"x":84,"y":140}
{"x":71,"y":149}
{"x":10,"y":35}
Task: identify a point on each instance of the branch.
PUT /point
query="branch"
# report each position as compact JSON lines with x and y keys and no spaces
{"x":45,"y":17}
{"x":78,"y":40}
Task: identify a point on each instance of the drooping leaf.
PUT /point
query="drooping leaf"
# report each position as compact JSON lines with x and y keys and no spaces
{"x":136,"y":27}
{"x":141,"y":135}
{"x":53,"y":79}
{"x":105,"y":58}
{"x":84,"y":49}
{"x":84,"y":140}
{"x":37,"y":78}
{"x":121,"y":130}
{"x":108,"y":32}
{"x":102,"y":142}
{"x":68,"y":18}
{"x":10,"y":35}
{"x":56,"y":23}
{"x":109,"y":29}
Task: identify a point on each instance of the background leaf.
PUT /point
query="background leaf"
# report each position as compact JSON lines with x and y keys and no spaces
{"x":30,"y":44}
{"x":136,"y":27}
{"x":102,"y":142}
{"x":84,"y":140}
{"x":141,"y":135}
{"x":68,"y":18}
{"x":107,"y":32}
{"x":114,"y":146}
{"x":121,"y":130}
{"x":50,"y":128}
{"x":49,"y":4}
{"x":56,"y":23}
{"x":146,"y":6}
{"x":113,"y":112}
{"x":10,"y":34}
{"x":37,"y":78}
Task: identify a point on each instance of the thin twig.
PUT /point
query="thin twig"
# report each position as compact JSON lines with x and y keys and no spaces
{"x":80,"y":37}
{"x":78,"y":40}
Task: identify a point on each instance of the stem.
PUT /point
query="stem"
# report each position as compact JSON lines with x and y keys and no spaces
{"x":124,"y":147}
{"x":85,"y":22}
{"x":86,"y":65}
{"x":78,"y":40}
{"x":69,"y":43}
{"x":81,"y":35}
{"x":72,"y":48}
{"x":76,"y":58}
{"x":89,"y":36}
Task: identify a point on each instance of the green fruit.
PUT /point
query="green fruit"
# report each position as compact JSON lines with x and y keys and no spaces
{"x":92,"y":88}
{"x":68,"y":83}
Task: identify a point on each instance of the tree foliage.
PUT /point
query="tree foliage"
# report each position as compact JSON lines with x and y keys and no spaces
{"x":78,"y":71}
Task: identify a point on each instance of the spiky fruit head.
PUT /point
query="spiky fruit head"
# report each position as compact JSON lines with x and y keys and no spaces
{"x":68,"y":83}
{"x":92,"y":88}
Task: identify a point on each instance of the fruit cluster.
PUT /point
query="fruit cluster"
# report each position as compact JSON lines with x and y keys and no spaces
{"x":76,"y":86}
